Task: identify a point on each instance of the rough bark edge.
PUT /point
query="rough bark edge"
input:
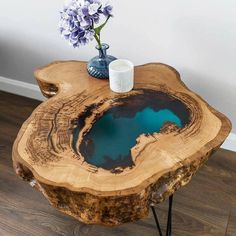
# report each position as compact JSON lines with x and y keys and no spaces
{"x":115,"y":210}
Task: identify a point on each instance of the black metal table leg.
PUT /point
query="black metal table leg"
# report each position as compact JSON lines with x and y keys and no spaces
{"x":169,"y":219}
{"x":156,"y":220}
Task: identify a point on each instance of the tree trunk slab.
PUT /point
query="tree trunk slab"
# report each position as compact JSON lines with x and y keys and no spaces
{"x":104,"y":157}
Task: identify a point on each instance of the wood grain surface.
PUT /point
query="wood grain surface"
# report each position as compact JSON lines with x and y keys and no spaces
{"x":162,"y":161}
{"x":205,"y":207}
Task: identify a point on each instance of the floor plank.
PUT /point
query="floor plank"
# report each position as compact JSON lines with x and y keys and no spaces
{"x":204,"y":207}
{"x":231,"y":227}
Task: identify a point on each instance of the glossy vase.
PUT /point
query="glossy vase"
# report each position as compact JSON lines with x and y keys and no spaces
{"x":98,"y":66}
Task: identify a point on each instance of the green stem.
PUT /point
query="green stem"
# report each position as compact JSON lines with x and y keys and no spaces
{"x":97,"y":37}
{"x":98,"y":32}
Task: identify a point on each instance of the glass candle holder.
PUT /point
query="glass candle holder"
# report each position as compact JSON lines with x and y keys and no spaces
{"x":121,"y":76}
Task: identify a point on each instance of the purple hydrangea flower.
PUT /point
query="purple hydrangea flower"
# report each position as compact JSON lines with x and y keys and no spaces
{"x":107,"y":10}
{"x":78,"y":19}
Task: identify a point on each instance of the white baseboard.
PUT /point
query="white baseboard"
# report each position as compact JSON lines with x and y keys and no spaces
{"x":230,"y":143}
{"x":21,"y":88}
{"x":33,"y":91}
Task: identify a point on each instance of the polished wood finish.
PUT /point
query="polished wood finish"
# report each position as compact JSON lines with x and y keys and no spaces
{"x":204,"y":207}
{"x":163,"y":162}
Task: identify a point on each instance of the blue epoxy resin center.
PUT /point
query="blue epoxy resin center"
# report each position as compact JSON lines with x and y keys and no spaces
{"x":112,"y":136}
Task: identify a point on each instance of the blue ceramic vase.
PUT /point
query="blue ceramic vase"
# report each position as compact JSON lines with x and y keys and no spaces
{"x":98,"y":66}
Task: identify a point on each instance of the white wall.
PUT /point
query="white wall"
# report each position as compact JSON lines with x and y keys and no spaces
{"x":197,"y":37}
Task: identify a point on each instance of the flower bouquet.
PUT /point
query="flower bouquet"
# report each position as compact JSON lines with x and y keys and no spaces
{"x":80,"y":23}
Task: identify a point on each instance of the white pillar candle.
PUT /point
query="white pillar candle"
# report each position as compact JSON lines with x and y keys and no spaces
{"x":121,"y":76}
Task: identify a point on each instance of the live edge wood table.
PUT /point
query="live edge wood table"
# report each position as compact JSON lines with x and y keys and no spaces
{"x":105,"y":158}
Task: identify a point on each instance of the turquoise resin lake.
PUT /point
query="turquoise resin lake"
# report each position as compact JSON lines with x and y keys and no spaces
{"x":108,"y":143}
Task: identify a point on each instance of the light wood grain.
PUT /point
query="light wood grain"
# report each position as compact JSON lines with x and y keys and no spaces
{"x":164,"y":161}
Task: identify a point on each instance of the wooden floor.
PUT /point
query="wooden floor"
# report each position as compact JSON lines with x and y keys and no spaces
{"x":206,"y":206}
